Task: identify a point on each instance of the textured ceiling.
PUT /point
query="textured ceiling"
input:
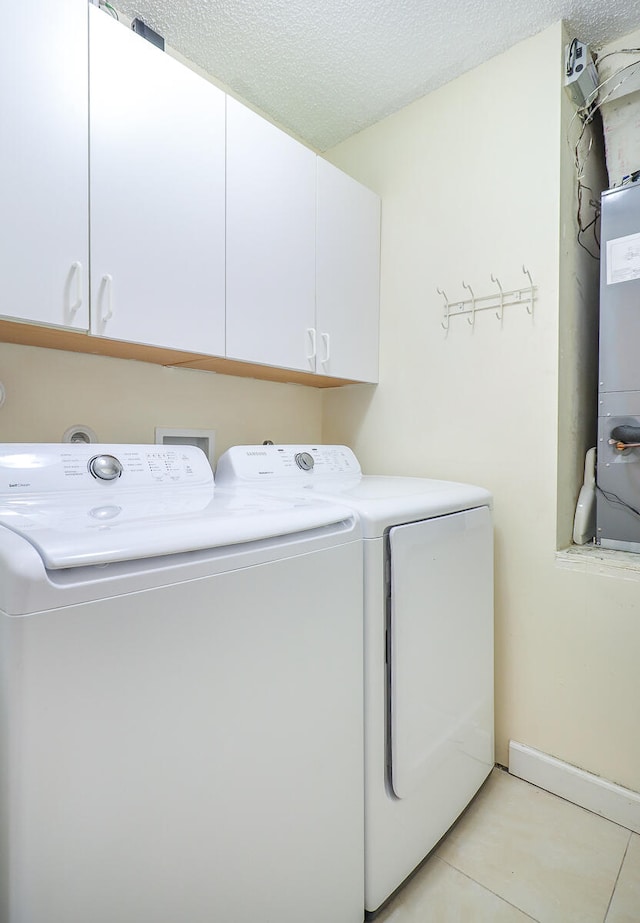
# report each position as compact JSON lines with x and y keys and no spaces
{"x":325,"y":69}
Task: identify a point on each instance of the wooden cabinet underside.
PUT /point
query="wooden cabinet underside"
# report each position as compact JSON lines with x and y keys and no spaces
{"x":55,"y":338}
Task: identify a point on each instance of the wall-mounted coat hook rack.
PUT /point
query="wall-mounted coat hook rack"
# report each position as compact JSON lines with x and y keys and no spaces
{"x":497,"y":302}
{"x":472,"y":319}
{"x":500,"y":312}
{"x":447,"y":313}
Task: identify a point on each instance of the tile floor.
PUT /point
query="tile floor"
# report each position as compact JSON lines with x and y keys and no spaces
{"x":520,"y":854}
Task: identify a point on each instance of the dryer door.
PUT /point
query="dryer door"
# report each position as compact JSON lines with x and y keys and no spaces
{"x":441,"y":649}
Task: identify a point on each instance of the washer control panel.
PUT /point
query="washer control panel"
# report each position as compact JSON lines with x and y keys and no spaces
{"x":258,"y":463}
{"x":55,"y":467}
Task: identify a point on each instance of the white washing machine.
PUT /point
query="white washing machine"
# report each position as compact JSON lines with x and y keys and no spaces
{"x":428,"y":656}
{"x":181,"y":695}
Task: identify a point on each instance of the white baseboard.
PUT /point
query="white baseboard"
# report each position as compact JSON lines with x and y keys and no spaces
{"x":621,"y":805}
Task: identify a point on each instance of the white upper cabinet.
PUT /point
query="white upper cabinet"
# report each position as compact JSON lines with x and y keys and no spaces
{"x":155,"y":210}
{"x":303,"y":256}
{"x":347,"y":276}
{"x":43,"y":163}
{"x":271,"y":182}
{"x":157,"y":195}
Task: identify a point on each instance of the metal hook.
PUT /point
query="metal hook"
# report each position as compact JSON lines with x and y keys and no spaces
{"x":528,"y":275}
{"x":500,"y":313}
{"x":473,"y":304}
{"x":446,"y":308}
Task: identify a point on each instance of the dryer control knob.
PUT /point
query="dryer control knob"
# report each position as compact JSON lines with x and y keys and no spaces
{"x":304,"y":461}
{"x":105,"y":467}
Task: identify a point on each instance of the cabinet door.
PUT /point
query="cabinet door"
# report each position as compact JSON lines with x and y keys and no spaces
{"x":43,"y":163}
{"x":270,"y":243}
{"x":157,"y":195}
{"x":348,"y":276}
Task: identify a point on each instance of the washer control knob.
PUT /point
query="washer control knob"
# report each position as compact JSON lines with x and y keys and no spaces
{"x":304,"y":461}
{"x":105,"y":467}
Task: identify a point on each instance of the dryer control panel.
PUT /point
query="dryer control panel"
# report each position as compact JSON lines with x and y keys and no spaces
{"x":261,"y":463}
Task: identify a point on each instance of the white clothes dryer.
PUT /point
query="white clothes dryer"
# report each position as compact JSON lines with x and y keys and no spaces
{"x":181,"y":699}
{"x":428,"y":654}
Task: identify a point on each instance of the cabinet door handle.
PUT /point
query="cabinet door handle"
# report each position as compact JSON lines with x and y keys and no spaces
{"x":311,"y":333}
{"x":76,"y":271}
{"x":326,"y":339}
{"x":106,"y":298}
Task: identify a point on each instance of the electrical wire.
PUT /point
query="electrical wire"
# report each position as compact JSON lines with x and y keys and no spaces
{"x":615,"y":499}
{"x":609,"y":54}
{"x":594,"y":93}
{"x":586,"y":114}
{"x":571,"y":57}
{"x":581,"y":189}
{"x":107,"y":6}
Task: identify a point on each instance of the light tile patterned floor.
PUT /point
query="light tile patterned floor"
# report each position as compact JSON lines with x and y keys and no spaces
{"x":520,"y":854}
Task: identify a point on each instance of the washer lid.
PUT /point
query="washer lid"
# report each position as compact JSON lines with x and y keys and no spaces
{"x":162,"y":501}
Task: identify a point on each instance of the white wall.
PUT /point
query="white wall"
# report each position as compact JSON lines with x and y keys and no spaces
{"x":471,"y":184}
{"x":49,"y":390}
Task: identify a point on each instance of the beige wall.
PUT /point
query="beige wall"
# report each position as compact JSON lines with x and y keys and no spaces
{"x":473,"y":180}
{"x":123,"y":401}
